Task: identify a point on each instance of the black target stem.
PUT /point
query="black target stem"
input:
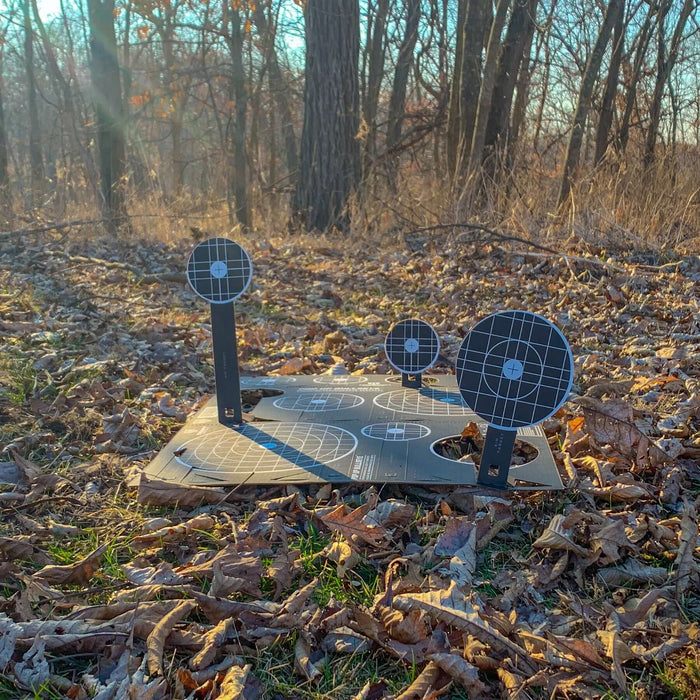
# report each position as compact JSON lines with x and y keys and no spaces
{"x":496,"y":457}
{"x":226,"y":372}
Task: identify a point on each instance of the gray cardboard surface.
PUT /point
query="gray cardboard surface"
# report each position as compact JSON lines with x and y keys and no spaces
{"x":339,"y":428}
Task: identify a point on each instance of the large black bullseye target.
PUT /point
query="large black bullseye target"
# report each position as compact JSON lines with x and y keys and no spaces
{"x":412,"y":346}
{"x":219,"y":270}
{"x":514,"y":369}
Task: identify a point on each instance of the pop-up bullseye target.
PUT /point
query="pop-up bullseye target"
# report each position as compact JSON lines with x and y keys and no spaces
{"x":514,"y":369}
{"x":412,"y":347}
{"x":219,"y":271}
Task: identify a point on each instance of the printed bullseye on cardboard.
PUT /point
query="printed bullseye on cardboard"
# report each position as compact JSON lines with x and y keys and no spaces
{"x":514,"y":369}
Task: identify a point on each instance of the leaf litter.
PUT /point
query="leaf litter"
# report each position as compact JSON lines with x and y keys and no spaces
{"x":115,"y":585}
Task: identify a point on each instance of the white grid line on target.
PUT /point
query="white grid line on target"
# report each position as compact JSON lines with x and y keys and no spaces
{"x":514,"y":369}
{"x":426,"y":402}
{"x":219,"y":270}
{"x":412,"y":346}
{"x":279,"y":447}
{"x":395,"y":431}
{"x":317,"y":402}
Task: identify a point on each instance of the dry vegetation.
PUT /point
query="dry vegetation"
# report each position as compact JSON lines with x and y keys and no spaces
{"x":118,"y":587}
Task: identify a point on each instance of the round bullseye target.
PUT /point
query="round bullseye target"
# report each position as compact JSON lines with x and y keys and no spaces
{"x":219,"y":270}
{"x":412,"y":346}
{"x":514,"y":369}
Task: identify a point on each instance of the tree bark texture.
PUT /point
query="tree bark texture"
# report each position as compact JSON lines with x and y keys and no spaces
{"x":663,"y":71}
{"x":330,"y":151}
{"x":475,"y":25}
{"x":5,"y":194}
{"x":573,"y":151}
{"x":508,"y":65}
{"x":487,"y":85}
{"x":106,"y":86}
{"x":36,"y":161}
{"x":453,"y":109}
{"x":608,"y":106}
{"x":238,"y":176}
{"x":279,"y":89}
{"x":377,"y":52}
{"x":397,"y":101}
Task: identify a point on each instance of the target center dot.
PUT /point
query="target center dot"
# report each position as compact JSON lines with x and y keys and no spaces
{"x":411,"y":345}
{"x":513,"y":369}
{"x":218,"y":269}
{"x":269,"y":445}
{"x":395,"y":431}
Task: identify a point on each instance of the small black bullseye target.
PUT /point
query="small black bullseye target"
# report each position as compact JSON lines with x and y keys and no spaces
{"x":514,"y":369}
{"x":412,"y":346}
{"x":219,"y":270}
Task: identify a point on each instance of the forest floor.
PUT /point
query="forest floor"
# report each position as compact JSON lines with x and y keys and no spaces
{"x":112,"y":586}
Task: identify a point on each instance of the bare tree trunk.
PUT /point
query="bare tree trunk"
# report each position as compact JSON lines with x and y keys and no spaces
{"x":453,"y":110}
{"x":36,"y":162}
{"x":545,"y":81}
{"x":106,"y":85}
{"x":330,"y":151}
{"x":475,"y":24}
{"x":511,"y":56}
{"x":631,"y":97}
{"x":279,"y":90}
{"x":487,"y":85}
{"x":397,"y":101}
{"x":377,"y":52}
{"x":664,"y":68}
{"x":238,"y":176}
{"x":584,"y":98}
{"x":522,"y":88}
{"x":608,"y":106}
{"x":5,"y":193}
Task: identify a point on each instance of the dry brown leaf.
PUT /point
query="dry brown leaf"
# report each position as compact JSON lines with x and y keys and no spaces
{"x":632,"y":571}
{"x":153,"y":492}
{"x":452,"y":607}
{"x":213,"y":640}
{"x":156,"y":640}
{"x":233,"y":684}
{"x":302,"y":662}
{"x":352,"y":526}
{"x":77,"y":574}
{"x":343,"y":555}
{"x":557,"y":536}
{"x":686,"y":567}
{"x":462,"y":671}
{"x":408,"y":628}
{"x":423,"y":685}
{"x":343,"y":640}
{"x":175,"y":533}
{"x":391,"y":514}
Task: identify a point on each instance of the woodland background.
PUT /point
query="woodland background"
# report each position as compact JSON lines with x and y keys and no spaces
{"x":539,"y":117}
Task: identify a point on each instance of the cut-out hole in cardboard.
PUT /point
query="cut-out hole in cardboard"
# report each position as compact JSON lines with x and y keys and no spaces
{"x":250,"y":398}
{"x":459,"y":449}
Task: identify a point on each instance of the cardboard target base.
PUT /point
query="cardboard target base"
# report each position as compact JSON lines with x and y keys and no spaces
{"x":341,"y":428}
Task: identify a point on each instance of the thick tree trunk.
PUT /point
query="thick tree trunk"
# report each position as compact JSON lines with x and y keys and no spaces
{"x":36,"y":162}
{"x":397,"y":101}
{"x":5,"y":193}
{"x":330,"y":151}
{"x":377,"y":52}
{"x":475,"y":25}
{"x":545,"y":80}
{"x":522,"y":88}
{"x":453,"y":109}
{"x":608,"y":106}
{"x":279,"y":90}
{"x":106,"y":86}
{"x":487,"y":85}
{"x":664,"y":68}
{"x":573,"y":151}
{"x":511,"y":56}
{"x":238,"y":176}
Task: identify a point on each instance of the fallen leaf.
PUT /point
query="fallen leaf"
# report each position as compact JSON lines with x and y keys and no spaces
{"x":557,"y":536}
{"x":77,"y":574}
{"x":352,"y":526}
{"x":156,"y":640}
